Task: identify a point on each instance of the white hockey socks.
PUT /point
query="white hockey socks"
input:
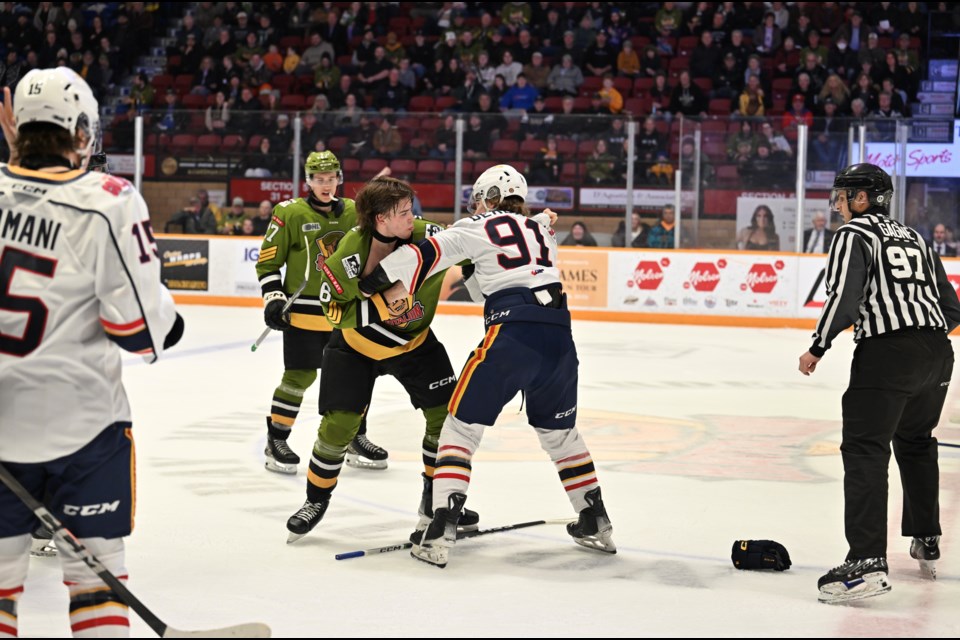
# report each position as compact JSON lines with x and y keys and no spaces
{"x":574,"y":465}
{"x":14,"y":561}
{"x":458,"y":442}
{"x":95,"y":610}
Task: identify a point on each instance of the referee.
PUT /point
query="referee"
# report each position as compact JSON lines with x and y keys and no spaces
{"x":883,"y":279}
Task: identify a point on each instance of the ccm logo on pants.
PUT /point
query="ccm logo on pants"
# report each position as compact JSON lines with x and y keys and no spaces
{"x":565,"y":414}
{"x":443,"y":383}
{"x":91,"y":509}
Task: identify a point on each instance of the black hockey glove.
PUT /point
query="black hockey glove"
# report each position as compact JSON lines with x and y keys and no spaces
{"x":760,"y":554}
{"x":273,"y":313}
{"x":468,"y":270}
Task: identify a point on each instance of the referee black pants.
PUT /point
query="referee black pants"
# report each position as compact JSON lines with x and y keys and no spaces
{"x":898,"y":384}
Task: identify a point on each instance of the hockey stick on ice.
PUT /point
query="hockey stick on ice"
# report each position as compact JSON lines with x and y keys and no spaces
{"x":63,"y":537}
{"x":290,"y":300}
{"x":947,"y":444}
{"x":460,"y":536}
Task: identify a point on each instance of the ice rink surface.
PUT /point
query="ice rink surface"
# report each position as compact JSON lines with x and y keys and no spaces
{"x":701,"y":436}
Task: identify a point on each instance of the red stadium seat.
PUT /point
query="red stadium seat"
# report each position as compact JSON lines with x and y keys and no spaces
{"x":530,"y":149}
{"x":719,"y":107}
{"x":403,"y":169}
{"x":183,"y":143}
{"x":209,"y":143}
{"x":232,"y":142}
{"x":371,"y":167}
{"x":504,"y":150}
{"x":430,"y":171}
{"x":421,"y":104}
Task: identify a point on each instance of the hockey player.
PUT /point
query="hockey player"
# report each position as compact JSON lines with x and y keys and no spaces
{"x":376,"y":340}
{"x":528,"y":349}
{"x":886,"y":281}
{"x":302,"y":234}
{"x":81,"y":276}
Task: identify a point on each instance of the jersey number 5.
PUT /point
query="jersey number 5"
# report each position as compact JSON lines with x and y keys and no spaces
{"x":515,"y":238}
{"x":11,"y":260}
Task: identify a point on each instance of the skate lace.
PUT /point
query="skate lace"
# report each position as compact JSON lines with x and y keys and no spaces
{"x":282,"y":447}
{"x":366,"y":446}
{"x":309,"y":511}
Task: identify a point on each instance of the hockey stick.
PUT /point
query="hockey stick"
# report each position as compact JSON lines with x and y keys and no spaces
{"x":460,"y":536}
{"x":947,"y":444}
{"x":64,"y":537}
{"x":290,"y":300}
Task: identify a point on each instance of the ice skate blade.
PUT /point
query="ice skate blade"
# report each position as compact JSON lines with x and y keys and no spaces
{"x":359,"y":462}
{"x":280,"y":467}
{"x":602,"y":541}
{"x":928,"y":568}
{"x":293,"y":537}
{"x":873,"y":585}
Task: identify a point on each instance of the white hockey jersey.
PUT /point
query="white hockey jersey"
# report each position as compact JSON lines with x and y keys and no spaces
{"x":507,"y":249}
{"x":79,"y":275}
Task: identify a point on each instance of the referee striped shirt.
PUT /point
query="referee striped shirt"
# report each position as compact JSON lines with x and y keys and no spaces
{"x":882,"y":277}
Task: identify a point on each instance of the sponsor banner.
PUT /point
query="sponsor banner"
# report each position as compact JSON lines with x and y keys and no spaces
{"x":190,"y":167}
{"x":245,"y":254}
{"x":731,"y":283}
{"x":653,"y":199}
{"x":784,"y":211}
{"x":184,"y":264}
{"x":923,"y":159}
{"x":255,"y":190}
{"x":584,"y":276}
{"x":121,"y":164}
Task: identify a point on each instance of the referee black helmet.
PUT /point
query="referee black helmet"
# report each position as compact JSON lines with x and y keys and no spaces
{"x":864,"y":177}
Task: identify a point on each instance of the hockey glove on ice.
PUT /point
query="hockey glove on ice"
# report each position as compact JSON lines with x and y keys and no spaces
{"x":273,"y":313}
{"x":760,"y":554}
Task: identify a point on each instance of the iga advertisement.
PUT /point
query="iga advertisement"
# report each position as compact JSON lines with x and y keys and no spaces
{"x":737,"y":284}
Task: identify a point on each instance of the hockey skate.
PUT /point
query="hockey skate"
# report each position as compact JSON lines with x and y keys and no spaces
{"x":42,"y":545}
{"x":280,"y":458}
{"x":593,"y":530}
{"x":469,"y":520}
{"x":303,"y":521}
{"x":927,"y":552}
{"x":363,"y":454}
{"x":441,"y":534}
{"x":853,"y":580}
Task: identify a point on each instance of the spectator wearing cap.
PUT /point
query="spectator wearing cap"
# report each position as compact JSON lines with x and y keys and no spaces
{"x":628,"y":62}
{"x":565,"y":78}
{"x":141,"y":92}
{"x":568,"y":47}
{"x":537,"y":73}
{"x":234,"y":217}
{"x":421,"y":53}
{"x":387,"y":142}
{"x":600,"y":58}
{"x":768,"y":37}
{"x":282,"y":135}
{"x":796,"y":115}
{"x":515,"y":15}
{"x":447,"y":48}
{"x":468,"y":48}
{"x":903,"y":48}
{"x":815,"y":46}
{"x":841,"y":60}
{"x":192,"y":220}
{"x":873,"y":53}
{"x":728,"y":81}
{"x":537,"y":122}
{"x":241,"y":26}
{"x":668,"y":19}
{"x":855,"y":32}
{"x":813,"y":68}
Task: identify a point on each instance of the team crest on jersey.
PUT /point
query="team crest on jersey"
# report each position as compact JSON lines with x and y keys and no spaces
{"x":432,"y":230}
{"x":406,"y":317}
{"x":351,"y":265}
{"x":327,"y":244}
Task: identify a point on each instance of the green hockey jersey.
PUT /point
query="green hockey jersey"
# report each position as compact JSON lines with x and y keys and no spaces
{"x":302,"y":238}
{"x":369,"y":325}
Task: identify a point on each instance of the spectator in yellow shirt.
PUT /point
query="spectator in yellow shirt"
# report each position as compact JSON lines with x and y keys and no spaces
{"x":628,"y":62}
{"x":609,"y":95}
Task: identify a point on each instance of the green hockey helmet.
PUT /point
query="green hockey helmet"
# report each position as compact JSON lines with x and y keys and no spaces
{"x":323,"y":162}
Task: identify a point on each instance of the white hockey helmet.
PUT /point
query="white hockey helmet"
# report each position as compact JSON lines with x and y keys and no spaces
{"x":59,"y":96}
{"x":496,"y":183}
